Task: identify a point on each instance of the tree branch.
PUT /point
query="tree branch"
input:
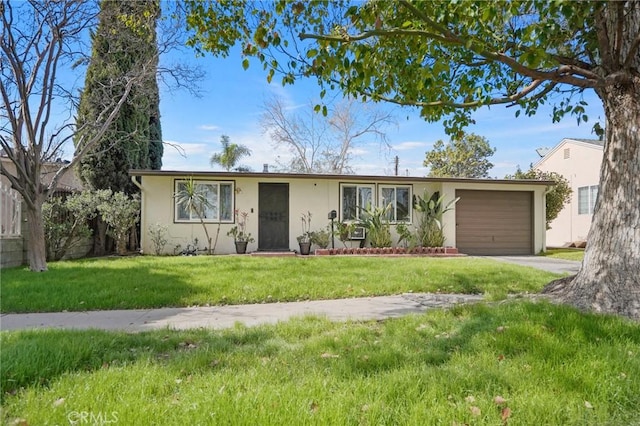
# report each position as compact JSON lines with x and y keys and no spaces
{"x":633,"y":52}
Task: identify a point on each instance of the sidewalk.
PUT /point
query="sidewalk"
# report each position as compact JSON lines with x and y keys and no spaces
{"x":218,"y":317}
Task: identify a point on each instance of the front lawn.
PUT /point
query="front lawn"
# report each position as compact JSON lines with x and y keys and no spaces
{"x":514,"y":362}
{"x":565,"y":253}
{"x":153,"y":282}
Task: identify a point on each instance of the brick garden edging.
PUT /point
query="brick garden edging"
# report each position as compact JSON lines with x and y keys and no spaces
{"x":428,"y":251}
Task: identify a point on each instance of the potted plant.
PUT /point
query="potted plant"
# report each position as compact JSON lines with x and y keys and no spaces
{"x":239,"y":232}
{"x":304,"y":240}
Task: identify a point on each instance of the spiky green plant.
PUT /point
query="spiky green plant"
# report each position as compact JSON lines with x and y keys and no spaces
{"x":430,"y":208}
{"x":193,"y":198}
{"x":376,"y":222}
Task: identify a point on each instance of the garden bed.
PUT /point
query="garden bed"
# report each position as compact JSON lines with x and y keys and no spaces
{"x":427,"y":251}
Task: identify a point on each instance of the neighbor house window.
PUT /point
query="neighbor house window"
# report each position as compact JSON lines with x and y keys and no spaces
{"x":10,"y":211}
{"x":587,"y":199}
{"x":354,"y":199}
{"x":218,"y":207}
{"x":399,"y":200}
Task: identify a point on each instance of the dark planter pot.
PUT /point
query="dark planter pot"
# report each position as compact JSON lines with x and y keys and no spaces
{"x":305,"y":248}
{"x":241,"y":247}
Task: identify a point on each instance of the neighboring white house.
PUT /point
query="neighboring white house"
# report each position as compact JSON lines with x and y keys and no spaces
{"x":579,"y":161}
{"x":492,"y":217}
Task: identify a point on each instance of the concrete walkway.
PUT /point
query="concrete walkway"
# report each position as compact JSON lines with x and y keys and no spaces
{"x":218,"y":317}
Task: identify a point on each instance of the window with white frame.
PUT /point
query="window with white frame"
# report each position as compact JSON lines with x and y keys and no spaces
{"x":399,"y":199}
{"x":354,"y":198}
{"x":217,"y":208}
{"x":587,"y":199}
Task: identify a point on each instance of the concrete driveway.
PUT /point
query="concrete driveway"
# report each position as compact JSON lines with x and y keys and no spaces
{"x":558,"y":266}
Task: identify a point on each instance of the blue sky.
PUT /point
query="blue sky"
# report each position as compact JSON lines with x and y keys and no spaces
{"x":231,"y":100}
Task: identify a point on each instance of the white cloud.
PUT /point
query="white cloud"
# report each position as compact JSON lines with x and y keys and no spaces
{"x":358,"y":151}
{"x":185,"y":156}
{"x":209,"y":127}
{"x":405,"y":146}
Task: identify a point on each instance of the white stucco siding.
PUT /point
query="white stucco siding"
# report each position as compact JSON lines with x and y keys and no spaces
{"x":580,"y":165}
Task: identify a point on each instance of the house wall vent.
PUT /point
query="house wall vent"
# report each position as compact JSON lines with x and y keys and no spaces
{"x":567,"y":153}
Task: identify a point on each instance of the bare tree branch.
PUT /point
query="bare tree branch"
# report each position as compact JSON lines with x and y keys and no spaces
{"x":321,"y":144}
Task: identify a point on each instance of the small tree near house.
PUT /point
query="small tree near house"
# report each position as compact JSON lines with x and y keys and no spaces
{"x":121,"y":213}
{"x":193,"y":198}
{"x":557,"y":197}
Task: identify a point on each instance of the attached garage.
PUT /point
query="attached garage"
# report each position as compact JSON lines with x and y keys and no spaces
{"x":494,"y":222}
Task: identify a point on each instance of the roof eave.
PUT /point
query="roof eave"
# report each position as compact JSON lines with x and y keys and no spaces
{"x":262,"y":175}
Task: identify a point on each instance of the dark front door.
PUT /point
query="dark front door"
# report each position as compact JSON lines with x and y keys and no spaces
{"x":273,"y":214}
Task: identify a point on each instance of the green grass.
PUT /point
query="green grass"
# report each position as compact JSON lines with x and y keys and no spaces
{"x":552,"y":365}
{"x":565,"y":253}
{"x":152,"y":282}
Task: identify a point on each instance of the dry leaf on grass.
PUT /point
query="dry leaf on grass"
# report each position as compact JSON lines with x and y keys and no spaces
{"x":506,"y":413}
{"x":328,"y":355}
{"x":499,"y":400}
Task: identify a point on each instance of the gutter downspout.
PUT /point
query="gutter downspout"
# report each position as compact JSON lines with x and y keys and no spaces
{"x":136,"y":183}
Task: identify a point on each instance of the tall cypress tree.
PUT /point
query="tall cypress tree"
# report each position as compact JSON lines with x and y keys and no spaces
{"x":123,"y":45}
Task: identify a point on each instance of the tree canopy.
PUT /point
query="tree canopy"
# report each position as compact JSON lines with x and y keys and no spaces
{"x":556,"y":197}
{"x":450,"y":58}
{"x":466,"y":156}
{"x":124,"y":43}
{"x":477,"y":53}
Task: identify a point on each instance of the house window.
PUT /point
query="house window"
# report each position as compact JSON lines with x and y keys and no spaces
{"x":219,"y":205}
{"x":587,"y":199}
{"x":354,"y":199}
{"x":399,"y":197}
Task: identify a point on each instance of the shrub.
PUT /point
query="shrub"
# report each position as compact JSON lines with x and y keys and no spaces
{"x":376,"y":221}
{"x":121,"y":213}
{"x":430,"y":207}
{"x":158,"y":237}
{"x":321,"y":238}
{"x":65,"y":221}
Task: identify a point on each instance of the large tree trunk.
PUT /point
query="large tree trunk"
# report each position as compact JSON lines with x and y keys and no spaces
{"x":36,"y":246}
{"x":609,"y":279}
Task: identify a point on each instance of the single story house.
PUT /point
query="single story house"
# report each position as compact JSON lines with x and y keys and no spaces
{"x":492,"y":216}
{"x":578,"y":161}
